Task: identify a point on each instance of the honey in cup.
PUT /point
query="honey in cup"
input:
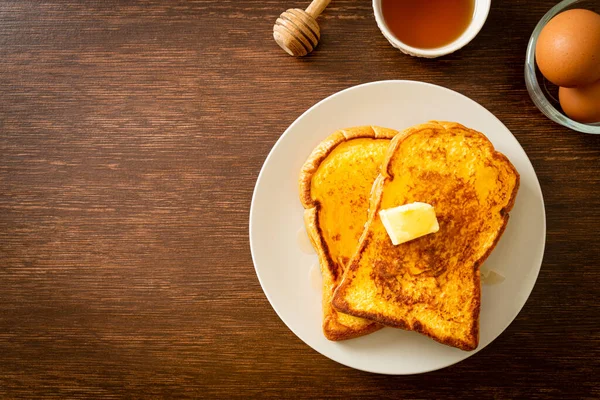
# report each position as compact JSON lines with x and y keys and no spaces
{"x":427,"y":24}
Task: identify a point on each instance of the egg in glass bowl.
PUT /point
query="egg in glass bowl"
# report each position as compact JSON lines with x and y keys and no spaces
{"x":564,"y":50}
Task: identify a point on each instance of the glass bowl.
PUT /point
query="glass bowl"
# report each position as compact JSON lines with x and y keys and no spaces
{"x":544,"y":93}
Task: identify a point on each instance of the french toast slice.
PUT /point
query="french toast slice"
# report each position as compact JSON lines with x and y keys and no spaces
{"x":432,"y":284}
{"x":335,"y":184}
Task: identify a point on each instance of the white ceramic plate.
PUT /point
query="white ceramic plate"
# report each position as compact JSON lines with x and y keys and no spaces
{"x":283,"y":266}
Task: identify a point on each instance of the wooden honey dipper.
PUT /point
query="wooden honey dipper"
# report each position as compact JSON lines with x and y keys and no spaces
{"x":296,"y":31}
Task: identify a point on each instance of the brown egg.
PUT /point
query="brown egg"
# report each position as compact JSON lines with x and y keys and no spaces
{"x":581,"y":103}
{"x":568,"y":48}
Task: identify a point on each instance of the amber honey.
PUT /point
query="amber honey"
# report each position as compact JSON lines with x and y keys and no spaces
{"x":427,"y":24}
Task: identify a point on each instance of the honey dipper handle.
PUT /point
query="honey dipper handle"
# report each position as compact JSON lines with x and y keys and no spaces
{"x":316,"y":7}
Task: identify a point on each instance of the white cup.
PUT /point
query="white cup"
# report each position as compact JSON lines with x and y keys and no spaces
{"x":482,"y":9}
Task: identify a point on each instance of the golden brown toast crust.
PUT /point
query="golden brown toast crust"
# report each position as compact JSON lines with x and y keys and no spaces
{"x":333,"y":326}
{"x":406,"y":292}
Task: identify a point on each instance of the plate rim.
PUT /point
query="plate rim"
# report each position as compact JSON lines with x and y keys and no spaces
{"x":287,"y":132}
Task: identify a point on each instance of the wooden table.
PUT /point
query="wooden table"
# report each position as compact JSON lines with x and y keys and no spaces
{"x":131,"y":136}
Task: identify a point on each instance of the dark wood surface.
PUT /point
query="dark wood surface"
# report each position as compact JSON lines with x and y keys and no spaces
{"x":131,"y":136}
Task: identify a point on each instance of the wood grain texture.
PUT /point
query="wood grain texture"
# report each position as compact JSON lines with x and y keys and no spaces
{"x":131,"y":136}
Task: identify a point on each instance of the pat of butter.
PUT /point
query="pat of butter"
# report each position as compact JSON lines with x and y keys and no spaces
{"x":408,"y":222}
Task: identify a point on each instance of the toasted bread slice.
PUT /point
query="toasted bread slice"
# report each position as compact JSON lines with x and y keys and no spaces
{"x":335,"y":185}
{"x":431,"y":284}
